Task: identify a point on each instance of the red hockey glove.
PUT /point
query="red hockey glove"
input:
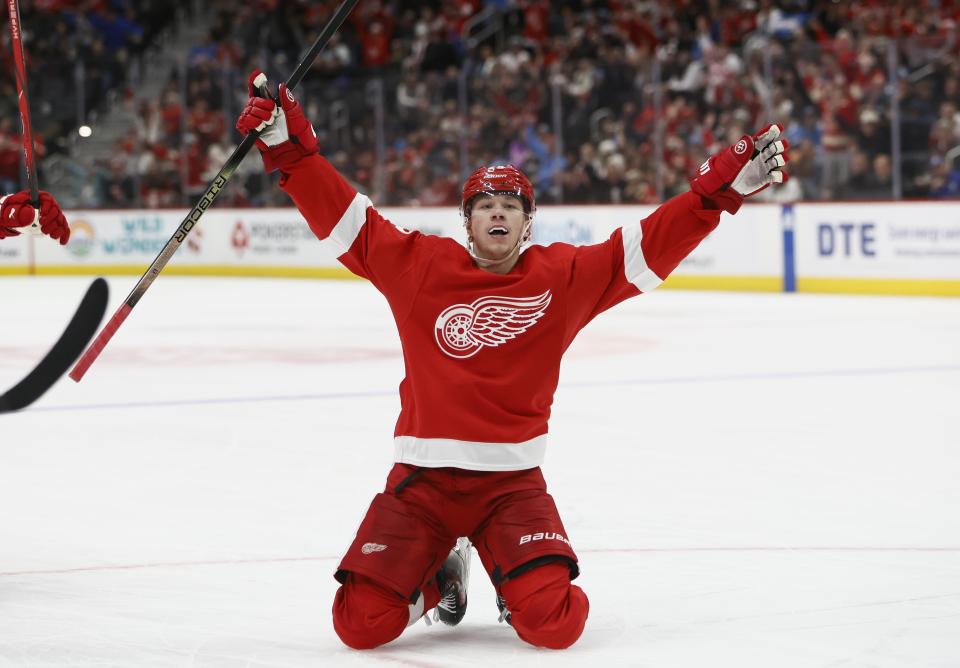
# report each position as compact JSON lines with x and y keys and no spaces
{"x":285,"y":133}
{"x":744,"y":169}
{"x":16,"y":211}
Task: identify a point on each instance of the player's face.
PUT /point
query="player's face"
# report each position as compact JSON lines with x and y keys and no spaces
{"x":496,"y":223}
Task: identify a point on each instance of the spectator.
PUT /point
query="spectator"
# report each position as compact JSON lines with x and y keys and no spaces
{"x":632,"y":78}
{"x":873,"y":136}
{"x":171,"y":119}
{"x":118,"y":186}
{"x":869,"y":179}
{"x":946,"y":181}
{"x":11,"y":148}
{"x":207,"y":125}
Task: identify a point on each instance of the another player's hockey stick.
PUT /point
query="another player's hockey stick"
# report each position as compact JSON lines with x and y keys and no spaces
{"x":219,"y":181}
{"x":65,"y":351}
{"x":23,"y":100}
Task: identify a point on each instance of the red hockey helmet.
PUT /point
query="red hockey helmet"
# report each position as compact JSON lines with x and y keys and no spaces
{"x":498,"y":180}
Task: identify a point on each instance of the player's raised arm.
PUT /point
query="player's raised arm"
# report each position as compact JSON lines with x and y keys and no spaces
{"x":17,"y":211}
{"x":643,"y":253}
{"x":655,"y":246}
{"x":288,"y":143}
{"x":341,"y":217}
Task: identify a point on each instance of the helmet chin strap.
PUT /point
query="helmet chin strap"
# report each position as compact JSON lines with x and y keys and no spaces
{"x":486,"y":263}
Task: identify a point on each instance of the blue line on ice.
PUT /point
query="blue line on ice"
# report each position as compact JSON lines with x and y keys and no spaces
{"x":779,"y":375}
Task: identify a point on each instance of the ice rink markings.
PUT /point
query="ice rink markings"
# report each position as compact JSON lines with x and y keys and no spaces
{"x":576,"y":385}
{"x":597,"y":551}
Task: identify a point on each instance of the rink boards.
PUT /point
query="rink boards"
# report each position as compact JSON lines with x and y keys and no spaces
{"x":889,"y":248}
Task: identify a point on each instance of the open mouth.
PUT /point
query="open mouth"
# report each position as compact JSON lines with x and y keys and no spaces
{"x":498,"y":231}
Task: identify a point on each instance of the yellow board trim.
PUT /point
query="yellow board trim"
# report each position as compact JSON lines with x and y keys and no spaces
{"x":881,"y":286}
{"x":865,"y":286}
{"x":185,"y":270}
{"x":734,"y":283}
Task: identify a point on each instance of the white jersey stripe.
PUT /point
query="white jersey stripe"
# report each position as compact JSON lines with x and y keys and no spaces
{"x":634,"y":264}
{"x":348,"y":227}
{"x":470,"y":455}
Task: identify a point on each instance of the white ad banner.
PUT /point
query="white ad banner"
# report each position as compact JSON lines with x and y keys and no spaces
{"x":915,"y":241}
{"x":918,"y":240}
{"x":747,"y":245}
{"x":14,"y":253}
{"x":231,"y":237}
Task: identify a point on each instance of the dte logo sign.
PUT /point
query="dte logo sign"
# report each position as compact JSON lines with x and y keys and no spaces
{"x":846,"y":239}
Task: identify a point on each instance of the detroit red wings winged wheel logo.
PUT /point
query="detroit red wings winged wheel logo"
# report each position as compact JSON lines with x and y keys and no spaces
{"x":463,"y":329}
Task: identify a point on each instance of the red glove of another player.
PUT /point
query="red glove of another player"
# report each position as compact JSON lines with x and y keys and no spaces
{"x":744,"y":169}
{"x":285,"y":133}
{"x":16,"y":211}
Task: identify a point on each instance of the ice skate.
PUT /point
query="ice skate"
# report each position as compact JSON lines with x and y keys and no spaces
{"x":504,"y":613}
{"x":452,"y":580}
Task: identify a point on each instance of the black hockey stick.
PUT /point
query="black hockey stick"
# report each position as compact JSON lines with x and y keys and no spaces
{"x":65,"y":351}
{"x":219,"y":181}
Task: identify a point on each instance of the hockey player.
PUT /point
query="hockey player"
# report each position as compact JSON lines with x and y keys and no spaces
{"x":483,"y":330}
{"x":16,"y":211}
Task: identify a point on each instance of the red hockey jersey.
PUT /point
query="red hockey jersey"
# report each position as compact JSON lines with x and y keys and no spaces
{"x":481,"y":350}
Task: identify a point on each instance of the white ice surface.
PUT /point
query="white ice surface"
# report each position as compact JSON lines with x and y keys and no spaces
{"x":748,"y":479}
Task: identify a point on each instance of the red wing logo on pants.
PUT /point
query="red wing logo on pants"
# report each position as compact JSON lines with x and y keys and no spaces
{"x":463,"y":329}
{"x":370,"y":548}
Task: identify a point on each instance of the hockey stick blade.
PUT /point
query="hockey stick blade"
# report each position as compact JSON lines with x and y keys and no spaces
{"x":65,"y":351}
{"x":206,"y":201}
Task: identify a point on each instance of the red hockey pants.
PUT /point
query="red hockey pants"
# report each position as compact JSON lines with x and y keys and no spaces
{"x":388,"y":571}
{"x":546,"y":609}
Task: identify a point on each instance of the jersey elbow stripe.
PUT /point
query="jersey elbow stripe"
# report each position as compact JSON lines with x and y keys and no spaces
{"x":634,"y":263}
{"x":345,"y":232}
